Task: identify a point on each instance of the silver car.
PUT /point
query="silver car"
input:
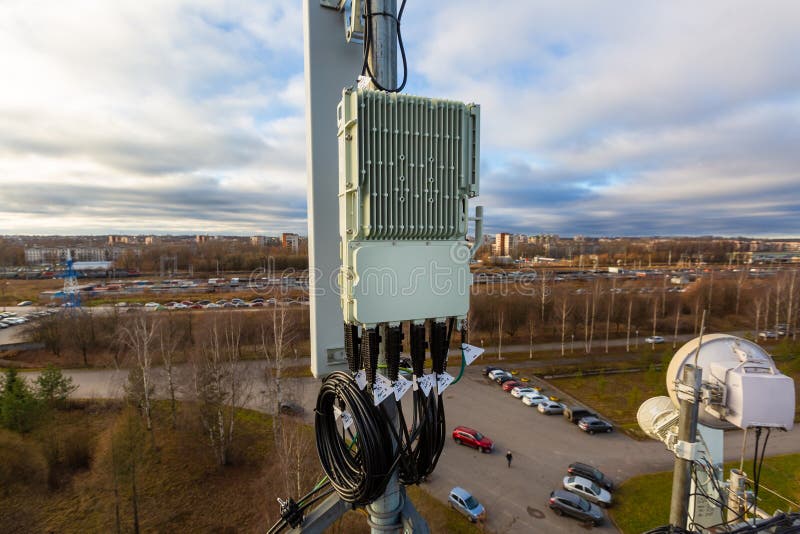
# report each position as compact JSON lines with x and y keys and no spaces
{"x":550,"y":407}
{"x":462,"y":501}
{"x":588,"y":490}
{"x":533,"y":399}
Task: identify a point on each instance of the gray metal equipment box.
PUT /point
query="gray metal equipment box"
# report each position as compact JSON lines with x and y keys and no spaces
{"x":407,"y":167}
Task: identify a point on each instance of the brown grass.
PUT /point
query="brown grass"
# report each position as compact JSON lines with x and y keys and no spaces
{"x":180,"y":487}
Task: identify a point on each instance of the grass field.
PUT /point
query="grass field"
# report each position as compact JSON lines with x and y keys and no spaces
{"x":61,"y":477}
{"x":642,"y":502}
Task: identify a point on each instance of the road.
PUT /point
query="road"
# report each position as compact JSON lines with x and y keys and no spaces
{"x":542,"y":445}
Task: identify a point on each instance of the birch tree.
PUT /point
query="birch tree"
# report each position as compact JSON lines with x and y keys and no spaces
{"x":138,"y":336}
{"x":220,"y":385}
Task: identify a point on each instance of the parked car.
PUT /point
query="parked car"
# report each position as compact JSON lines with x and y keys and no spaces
{"x":504,"y":378}
{"x":768,"y":334}
{"x":592,"y":424}
{"x":592,"y":473}
{"x":508,"y":385}
{"x":494,"y":374}
{"x":464,"y":435}
{"x":152,"y":305}
{"x":291,"y":408}
{"x":654,"y":339}
{"x":25,"y":303}
{"x":489,"y":368}
{"x":533,"y":399}
{"x":575,"y":413}
{"x":519,"y":391}
{"x":463,"y":501}
{"x":563,"y":502}
{"x":549,"y":407}
{"x":587,"y":489}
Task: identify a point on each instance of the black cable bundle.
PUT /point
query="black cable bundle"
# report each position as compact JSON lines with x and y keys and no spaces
{"x":438,"y":347}
{"x":417,"y":347}
{"x":370,"y":345}
{"x":358,"y":471}
{"x":394,"y":345}
{"x":351,"y":347}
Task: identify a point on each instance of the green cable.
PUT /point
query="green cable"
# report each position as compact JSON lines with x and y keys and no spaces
{"x":324,"y":479}
{"x":463,"y":366}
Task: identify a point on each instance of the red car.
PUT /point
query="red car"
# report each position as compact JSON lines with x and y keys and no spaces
{"x":463,"y":435}
{"x":511,"y":384}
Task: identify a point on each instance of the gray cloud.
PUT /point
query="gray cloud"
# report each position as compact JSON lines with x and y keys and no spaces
{"x":612,"y":118}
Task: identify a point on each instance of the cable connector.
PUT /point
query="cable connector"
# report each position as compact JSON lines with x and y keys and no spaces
{"x":290,"y":512}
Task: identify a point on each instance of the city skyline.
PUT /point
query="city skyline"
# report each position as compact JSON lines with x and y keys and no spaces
{"x":603,"y":120}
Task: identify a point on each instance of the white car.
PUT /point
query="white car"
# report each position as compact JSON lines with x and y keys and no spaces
{"x":768,"y":334}
{"x":497,"y":372}
{"x":550,"y":407}
{"x":518,"y":391}
{"x":25,"y":303}
{"x":654,"y":339}
{"x":533,"y":399}
{"x":588,"y":490}
{"x":152,"y":305}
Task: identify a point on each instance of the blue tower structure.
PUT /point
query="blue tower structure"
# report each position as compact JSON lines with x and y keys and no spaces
{"x":71,"y":293}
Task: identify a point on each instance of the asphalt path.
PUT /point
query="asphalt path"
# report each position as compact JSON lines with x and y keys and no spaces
{"x":543,"y":446}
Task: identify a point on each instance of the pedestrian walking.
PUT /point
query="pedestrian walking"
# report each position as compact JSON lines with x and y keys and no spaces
{"x":509,"y":457}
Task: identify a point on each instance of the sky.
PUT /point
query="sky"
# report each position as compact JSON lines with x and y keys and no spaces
{"x":598,"y":118}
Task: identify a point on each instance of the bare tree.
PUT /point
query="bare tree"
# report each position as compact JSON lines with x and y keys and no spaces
{"x":220,"y":386}
{"x":710,"y":291}
{"x":565,"y":310}
{"x":168,"y":340}
{"x":655,"y":313}
{"x":595,"y":295}
{"x":530,"y":334}
{"x":740,"y":280}
{"x":677,"y":321}
{"x":500,"y":336}
{"x":586,"y":347}
{"x":274,"y":342}
{"x":757,"y":305}
{"x":544,"y":292}
{"x":628,"y":335}
{"x":790,"y":303}
{"x":138,"y":336}
{"x":610,"y":311}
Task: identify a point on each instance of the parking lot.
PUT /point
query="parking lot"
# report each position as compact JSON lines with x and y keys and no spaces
{"x":543,"y":446}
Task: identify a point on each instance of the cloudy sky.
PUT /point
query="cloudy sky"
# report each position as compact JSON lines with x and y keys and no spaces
{"x":598,"y":118}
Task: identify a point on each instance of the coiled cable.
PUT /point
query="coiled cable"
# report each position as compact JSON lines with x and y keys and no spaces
{"x":358,"y":473}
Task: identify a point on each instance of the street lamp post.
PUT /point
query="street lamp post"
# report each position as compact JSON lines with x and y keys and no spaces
{"x":572,"y":345}
{"x":637,"y":338}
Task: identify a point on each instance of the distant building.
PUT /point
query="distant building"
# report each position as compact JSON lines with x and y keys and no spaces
{"x":150,"y":240}
{"x":502,"y":244}
{"x":54,"y":255}
{"x":264,"y":241}
{"x":200,"y":238}
{"x":118,"y":240}
{"x":290,"y":241}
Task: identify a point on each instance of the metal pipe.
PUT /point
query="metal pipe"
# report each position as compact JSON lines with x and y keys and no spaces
{"x":384,"y":512}
{"x":382,"y":58}
{"x":687,"y":432}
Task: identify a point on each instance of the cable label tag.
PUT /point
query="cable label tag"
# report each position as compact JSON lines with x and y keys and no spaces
{"x":361,"y":379}
{"x":347,"y":419}
{"x":415,"y":383}
{"x":470,"y":352}
{"x":401,"y":387}
{"x":381,"y":389}
{"x":426,"y":383}
{"x":442,"y":381}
